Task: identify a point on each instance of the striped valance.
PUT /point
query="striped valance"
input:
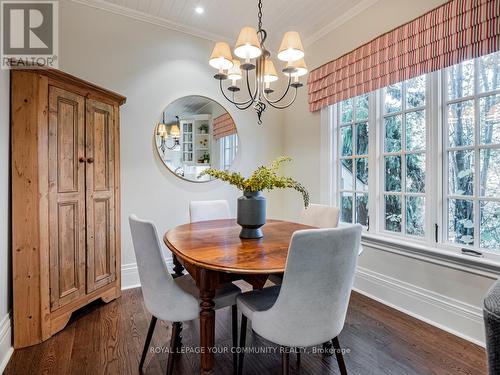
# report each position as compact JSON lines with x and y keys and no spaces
{"x":224,"y":126}
{"x":456,"y":31}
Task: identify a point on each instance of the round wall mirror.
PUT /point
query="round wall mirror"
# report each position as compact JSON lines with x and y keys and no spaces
{"x":195,"y":133}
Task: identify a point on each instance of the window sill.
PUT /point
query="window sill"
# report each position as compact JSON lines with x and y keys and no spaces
{"x":479,"y":266}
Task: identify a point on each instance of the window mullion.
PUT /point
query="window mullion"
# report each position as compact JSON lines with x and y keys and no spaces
{"x":477,"y":158}
{"x":373,"y":171}
{"x":433,"y":191}
{"x":379,"y":148}
{"x":403,"y":159}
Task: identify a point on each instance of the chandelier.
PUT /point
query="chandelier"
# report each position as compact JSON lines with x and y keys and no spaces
{"x":161,"y":131}
{"x":251,"y":50}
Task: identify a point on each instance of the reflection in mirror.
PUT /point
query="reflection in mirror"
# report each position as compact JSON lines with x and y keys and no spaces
{"x":195,"y":133}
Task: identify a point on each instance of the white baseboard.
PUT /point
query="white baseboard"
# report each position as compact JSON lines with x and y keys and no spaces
{"x":456,"y":317}
{"x":130,"y":274}
{"x":6,"y":348}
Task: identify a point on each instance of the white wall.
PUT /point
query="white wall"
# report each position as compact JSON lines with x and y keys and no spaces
{"x":5,"y":283}
{"x":153,"y":66}
{"x":445,"y":296}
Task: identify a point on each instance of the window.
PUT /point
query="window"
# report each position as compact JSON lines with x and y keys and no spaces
{"x":353,"y":160}
{"x":472,"y":137}
{"x":404,"y":157}
{"x":228,"y":149}
{"x":434,"y":158}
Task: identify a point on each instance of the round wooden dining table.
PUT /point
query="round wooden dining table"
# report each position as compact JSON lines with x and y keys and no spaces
{"x":213,"y":253}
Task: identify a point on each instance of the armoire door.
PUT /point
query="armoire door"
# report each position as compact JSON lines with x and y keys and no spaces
{"x":66,"y":173}
{"x":100,"y":172}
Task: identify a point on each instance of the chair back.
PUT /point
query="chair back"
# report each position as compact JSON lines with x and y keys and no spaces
{"x":313,"y":300}
{"x":208,"y":210}
{"x":320,"y":216}
{"x":162,"y":296}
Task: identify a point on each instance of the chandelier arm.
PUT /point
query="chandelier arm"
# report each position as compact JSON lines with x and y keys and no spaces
{"x":171,"y":148}
{"x":284,"y":106}
{"x":239,"y":105}
{"x":232,"y":101}
{"x":282,"y":96}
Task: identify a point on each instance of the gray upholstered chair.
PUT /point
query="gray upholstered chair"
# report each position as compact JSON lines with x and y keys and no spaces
{"x":310,"y":306}
{"x":491,"y":312}
{"x":168,"y":298}
{"x":209,"y":210}
{"x":320,"y":216}
{"x":315,"y":215}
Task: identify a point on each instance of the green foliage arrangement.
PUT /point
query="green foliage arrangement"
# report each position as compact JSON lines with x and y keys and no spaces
{"x":263,"y":178}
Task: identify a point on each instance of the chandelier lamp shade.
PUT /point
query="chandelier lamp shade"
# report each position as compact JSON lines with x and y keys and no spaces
{"x":252,"y":55}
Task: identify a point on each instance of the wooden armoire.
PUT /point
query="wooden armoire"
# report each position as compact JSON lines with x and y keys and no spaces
{"x":65,"y":199}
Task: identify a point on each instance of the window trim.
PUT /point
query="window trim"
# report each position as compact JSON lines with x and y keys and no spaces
{"x":476,"y":148}
{"x":436,"y":184}
{"x":380,"y":145}
{"x":229,"y":142}
{"x":354,"y":191}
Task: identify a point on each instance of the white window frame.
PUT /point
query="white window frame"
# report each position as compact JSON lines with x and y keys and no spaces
{"x":229,"y":142}
{"x":436,"y":186}
{"x":476,"y":149}
{"x":380,"y":145}
{"x":354,"y":156}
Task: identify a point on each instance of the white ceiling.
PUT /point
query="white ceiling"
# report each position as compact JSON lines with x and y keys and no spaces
{"x":191,"y":105}
{"x":222,"y":19}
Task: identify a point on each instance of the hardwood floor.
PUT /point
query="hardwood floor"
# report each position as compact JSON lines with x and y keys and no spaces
{"x":108,"y":339}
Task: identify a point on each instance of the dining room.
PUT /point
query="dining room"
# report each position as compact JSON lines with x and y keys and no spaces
{"x":258,"y":187}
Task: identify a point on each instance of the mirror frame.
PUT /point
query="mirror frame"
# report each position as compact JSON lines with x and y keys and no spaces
{"x":158,"y":151}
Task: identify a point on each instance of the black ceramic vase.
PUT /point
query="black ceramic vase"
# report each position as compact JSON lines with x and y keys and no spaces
{"x":251,"y":214}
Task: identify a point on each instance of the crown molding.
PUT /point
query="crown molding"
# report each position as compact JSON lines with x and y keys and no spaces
{"x":339,"y":21}
{"x":154,"y":20}
{"x":193,"y":31}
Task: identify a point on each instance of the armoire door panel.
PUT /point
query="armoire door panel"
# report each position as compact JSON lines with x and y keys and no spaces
{"x":102,"y":235}
{"x":66,"y":145}
{"x":68,"y":222}
{"x":100,"y":123}
{"x":101,"y":149}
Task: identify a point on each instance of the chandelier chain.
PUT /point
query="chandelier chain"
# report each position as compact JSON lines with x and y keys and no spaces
{"x":260,"y":14}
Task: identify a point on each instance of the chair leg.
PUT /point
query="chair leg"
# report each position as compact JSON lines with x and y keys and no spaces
{"x":243,"y":337}
{"x":327,"y":348}
{"x":151,"y":330}
{"x":340,"y":357}
{"x":178,"y":342}
{"x":234,"y":321}
{"x":173,"y":347}
{"x":286,"y":362}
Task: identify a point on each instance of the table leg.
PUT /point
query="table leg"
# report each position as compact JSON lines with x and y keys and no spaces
{"x":178,"y":268}
{"x":207,"y":323}
{"x":178,"y":271}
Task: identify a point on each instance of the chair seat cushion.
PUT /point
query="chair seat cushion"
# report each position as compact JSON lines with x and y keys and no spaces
{"x":257,"y":300}
{"x":225,"y":295}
